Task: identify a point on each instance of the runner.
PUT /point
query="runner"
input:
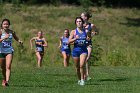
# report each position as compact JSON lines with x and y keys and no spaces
{"x":40,"y":43}
{"x":65,"y":47}
{"x":90,"y":30}
{"x":6,"y":48}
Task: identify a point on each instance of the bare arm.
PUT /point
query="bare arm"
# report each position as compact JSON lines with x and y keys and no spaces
{"x":94,"y":30}
{"x":31,"y":42}
{"x":1,"y":39}
{"x":16,"y":37}
{"x":60,"y":42}
{"x":71,"y":38}
{"x":7,"y":35}
{"x":45,"y":43}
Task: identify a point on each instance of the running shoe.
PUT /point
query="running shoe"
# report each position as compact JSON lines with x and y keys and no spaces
{"x":82,"y":82}
{"x":4,"y":83}
{"x":79,"y":82}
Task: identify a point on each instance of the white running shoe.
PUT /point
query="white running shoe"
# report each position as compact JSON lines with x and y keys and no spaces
{"x":79,"y":82}
{"x":82,"y":82}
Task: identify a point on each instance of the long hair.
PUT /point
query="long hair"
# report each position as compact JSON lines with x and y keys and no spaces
{"x":87,"y":14}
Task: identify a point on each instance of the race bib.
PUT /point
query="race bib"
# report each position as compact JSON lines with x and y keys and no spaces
{"x":39,"y":49}
{"x":65,"y":47}
{"x":6,"y":44}
{"x":81,"y":42}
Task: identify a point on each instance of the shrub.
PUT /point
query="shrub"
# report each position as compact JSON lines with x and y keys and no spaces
{"x":117,"y":58}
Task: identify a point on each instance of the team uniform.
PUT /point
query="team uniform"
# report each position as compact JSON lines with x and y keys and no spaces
{"x":65,"y":46}
{"x":88,"y":31}
{"x":80,"y":46}
{"x":6,"y":45}
{"x":39,"y":47}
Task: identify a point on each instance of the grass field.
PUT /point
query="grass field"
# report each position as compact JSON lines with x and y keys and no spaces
{"x":118,"y":39}
{"x":63,"y":80}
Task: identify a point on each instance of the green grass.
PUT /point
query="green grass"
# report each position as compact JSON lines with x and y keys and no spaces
{"x":64,"y":80}
{"x":117,"y":45}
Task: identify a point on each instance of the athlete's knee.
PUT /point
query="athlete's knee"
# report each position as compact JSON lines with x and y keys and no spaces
{"x":8,"y":67}
{"x":39,"y":58}
{"x":64,"y":56}
{"x":82,"y":66}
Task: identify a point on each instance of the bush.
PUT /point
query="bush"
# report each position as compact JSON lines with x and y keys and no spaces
{"x":96,"y":54}
{"x":117,"y":58}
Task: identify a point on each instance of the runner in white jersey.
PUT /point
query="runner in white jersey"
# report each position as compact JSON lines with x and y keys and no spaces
{"x":6,"y":47}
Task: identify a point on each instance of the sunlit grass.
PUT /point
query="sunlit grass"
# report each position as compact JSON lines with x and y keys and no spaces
{"x":56,"y":79}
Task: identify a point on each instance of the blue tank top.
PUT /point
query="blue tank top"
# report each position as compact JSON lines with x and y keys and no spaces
{"x":81,"y":41}
{"x":39,"y":47}
{"x":6,"y":45}
{"x":65,"y":44}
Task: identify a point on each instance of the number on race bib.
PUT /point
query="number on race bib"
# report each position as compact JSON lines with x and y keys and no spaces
{"x":81,"y":42}
{"x":6,"y":44}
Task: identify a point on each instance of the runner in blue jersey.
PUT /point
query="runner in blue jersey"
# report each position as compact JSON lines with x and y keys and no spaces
{"x":6,"y":48}
{"x":65,"y":47}
{"x":90,"y":30}
{"x":79,"y":53}
{"x":40,"y":43}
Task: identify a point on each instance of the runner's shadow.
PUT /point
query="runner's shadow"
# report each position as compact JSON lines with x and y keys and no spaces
{"x":99,"y":81}
{"x":117,"y":79}
{"x":66,"y":75}
{"x":132,"y":22}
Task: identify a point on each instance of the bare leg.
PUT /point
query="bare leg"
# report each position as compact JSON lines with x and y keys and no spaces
{"x":8,"y":66}
{"x":82,"y":64}
{"x":38,"y":59}
{"x":68,"y":58}
{"x":87,"y":64}
{"x":77,"y":65}
{"x":65,"y":59}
